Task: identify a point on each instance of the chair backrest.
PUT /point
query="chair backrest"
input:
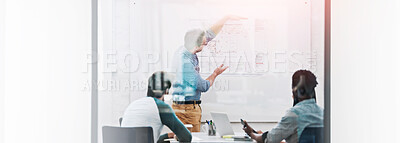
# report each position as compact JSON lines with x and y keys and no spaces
{"x":312,"y":135}
{"x":127,"y":134}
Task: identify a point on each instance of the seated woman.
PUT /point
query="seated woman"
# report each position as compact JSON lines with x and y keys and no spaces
{"x":153,"y":111}
{"x":304,"y":113}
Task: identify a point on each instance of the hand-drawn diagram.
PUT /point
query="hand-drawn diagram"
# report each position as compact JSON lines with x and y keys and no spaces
{"x":235,"y":46}
{"x":243,"y":46}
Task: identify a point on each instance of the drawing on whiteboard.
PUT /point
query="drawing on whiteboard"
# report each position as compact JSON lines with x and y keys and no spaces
{"x":234,"y":37}
{"x":238,"y":45}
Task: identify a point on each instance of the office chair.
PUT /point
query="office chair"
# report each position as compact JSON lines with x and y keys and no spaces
{"x":127,"y":134}
{"x":312,"y":135}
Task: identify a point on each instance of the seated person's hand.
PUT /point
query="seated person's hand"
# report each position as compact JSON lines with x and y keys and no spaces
{"x":247,"y":128}
{"x":171,"y":135}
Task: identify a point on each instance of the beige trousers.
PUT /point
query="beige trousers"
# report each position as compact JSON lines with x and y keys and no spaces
{"x":189,"y":114}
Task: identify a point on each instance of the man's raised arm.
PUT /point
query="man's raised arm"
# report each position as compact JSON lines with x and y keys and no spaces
{"x":216,"y":28}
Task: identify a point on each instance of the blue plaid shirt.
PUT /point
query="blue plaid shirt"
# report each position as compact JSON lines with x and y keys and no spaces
{"x":189,"y":84}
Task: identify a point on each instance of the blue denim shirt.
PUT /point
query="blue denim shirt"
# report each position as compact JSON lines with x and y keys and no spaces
{"x":304,"y":114}
{"x":189,"y":84}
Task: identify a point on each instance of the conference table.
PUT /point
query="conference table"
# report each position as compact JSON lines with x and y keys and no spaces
{"x":202,"y":137}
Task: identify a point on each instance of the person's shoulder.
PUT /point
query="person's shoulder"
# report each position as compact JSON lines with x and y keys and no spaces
{"x":163,"y":108}
{"x":291,"y":112}
{"x":161,"y":104}
{"x":289,"y":116}
{"x":140,"y":100}
{"x":294,"y":108}
{"x":320,"y":109}
{"x":311,"y":107}
{"x":297,"y":110}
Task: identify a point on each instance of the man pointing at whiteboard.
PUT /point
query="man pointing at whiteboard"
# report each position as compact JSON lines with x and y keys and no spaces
{"x":189,"y":85}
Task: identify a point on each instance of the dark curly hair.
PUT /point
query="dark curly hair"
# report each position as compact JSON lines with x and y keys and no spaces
{"x":310,"y":82}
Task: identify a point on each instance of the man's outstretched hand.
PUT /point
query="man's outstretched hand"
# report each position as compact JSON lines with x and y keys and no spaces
{"x":216,"y":72}
{"x":220,"y":69}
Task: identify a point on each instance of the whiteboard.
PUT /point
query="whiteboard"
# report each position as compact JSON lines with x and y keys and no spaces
{"x":262,"y":52}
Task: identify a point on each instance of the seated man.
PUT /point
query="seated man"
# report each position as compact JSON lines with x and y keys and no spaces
{"x":304,"y":113}
{"x":153,"y":111}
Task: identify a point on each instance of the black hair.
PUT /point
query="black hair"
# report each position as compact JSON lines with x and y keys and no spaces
{"x":158,"y":84}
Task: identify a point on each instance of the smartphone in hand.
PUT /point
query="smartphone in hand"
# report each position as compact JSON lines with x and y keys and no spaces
{"x":241,"y":121}
{"x":244,"y":125}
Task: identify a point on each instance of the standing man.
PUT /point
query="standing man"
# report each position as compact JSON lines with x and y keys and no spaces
{"x":189,"y":84}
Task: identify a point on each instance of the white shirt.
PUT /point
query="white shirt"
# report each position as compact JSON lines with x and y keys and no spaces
{"x":143,"y":113}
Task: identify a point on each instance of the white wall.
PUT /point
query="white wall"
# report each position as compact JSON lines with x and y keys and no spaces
{"x":365,"y":71}
{"x":45,"y":53}
{"x":2,"y":13}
